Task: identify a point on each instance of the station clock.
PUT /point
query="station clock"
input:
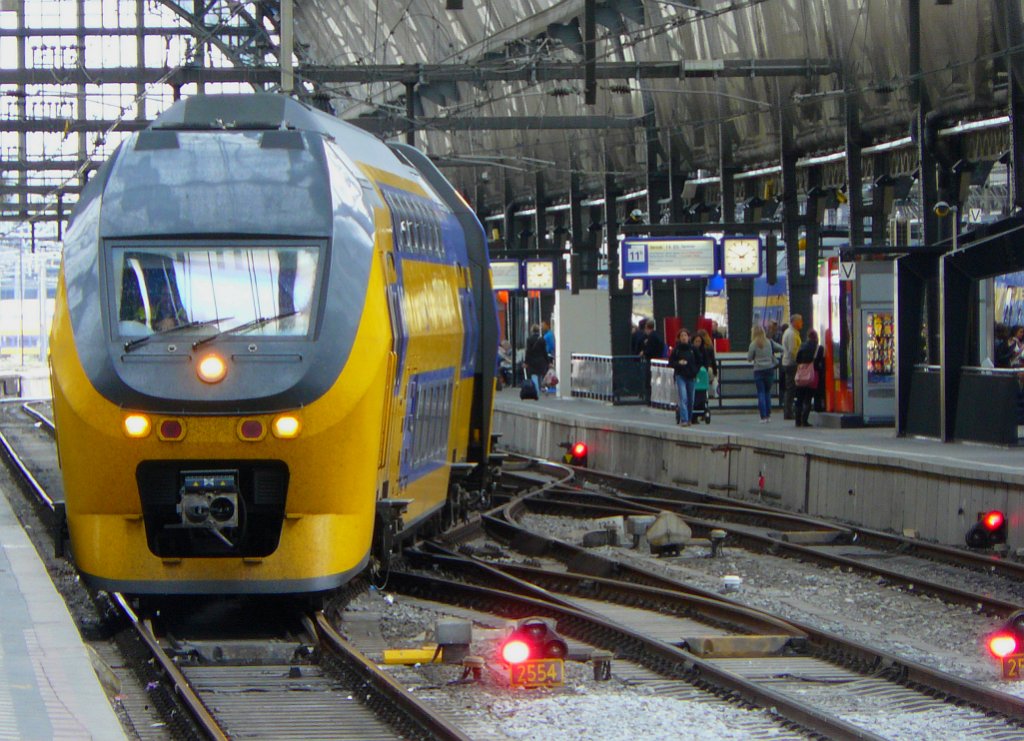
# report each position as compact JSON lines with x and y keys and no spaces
{"x":540,"y":275}
{"x":741,"y":257}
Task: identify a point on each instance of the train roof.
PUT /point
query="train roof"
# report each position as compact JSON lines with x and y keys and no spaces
{"x":275,"y":112}
{"x":259,"y":111}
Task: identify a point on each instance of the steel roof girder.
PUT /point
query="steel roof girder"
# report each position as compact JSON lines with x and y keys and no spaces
{"x":423,"y":73}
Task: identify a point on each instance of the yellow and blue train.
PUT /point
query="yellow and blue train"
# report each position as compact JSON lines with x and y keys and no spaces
{"x":274,"y":346}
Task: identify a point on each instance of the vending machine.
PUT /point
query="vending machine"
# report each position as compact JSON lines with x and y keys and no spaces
{"x":875,"y":341}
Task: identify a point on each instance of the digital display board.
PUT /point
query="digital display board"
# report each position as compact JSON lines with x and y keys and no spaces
{"x":668,"y":257}
{"x":505,"y":275}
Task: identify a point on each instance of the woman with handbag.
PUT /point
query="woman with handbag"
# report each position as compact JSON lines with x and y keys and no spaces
{"x":806,"y":379}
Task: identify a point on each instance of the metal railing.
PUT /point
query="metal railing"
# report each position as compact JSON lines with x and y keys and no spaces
{"x":10,"y":386}
{"x":624,"y":380}
{"x":620,"y":379}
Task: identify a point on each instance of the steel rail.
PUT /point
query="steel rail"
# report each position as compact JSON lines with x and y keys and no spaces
{"x":904,"y":671}
{"x":181,"y":686}
{"x":727,"y":615}
{"x":640,"y":489}
{"x":417,"y":715}
{"x":664,"y":658}
{"x":45,"y":421}
{"x":575,"y":504}
{"x":200,"y":713}
{"x":15,"y":460}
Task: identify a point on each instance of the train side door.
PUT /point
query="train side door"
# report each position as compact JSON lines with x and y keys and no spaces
{"x":393,"y":400}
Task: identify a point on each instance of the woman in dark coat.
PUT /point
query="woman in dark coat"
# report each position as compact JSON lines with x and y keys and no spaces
{"x":805,"y":394}
{"x":536,"y":357}
{"x":819,"y":366}
{"x":685,"y":366}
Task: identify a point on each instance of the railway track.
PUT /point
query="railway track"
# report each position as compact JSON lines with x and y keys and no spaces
{"x":257,"y":686}
{"x":865,"y":670}
{"x":788,"y":527}
{"x":663,"y":633}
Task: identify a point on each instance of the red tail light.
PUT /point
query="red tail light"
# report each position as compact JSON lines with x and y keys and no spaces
{"x":251,"y":429}
{"x":579,"y":450}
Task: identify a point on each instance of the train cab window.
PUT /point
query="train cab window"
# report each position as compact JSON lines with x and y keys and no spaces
{"x":255,"y":290}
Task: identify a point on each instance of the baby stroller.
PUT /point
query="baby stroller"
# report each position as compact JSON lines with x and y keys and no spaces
{"x":700,"y":398}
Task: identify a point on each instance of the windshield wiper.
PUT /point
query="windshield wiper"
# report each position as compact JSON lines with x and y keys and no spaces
{"x":140,"y":341}
{"x":253,"y":324}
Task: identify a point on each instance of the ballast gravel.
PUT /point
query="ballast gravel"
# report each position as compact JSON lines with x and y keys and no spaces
{"x":861,"y":608}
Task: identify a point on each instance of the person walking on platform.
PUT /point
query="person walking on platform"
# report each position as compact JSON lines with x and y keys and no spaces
{"x":710,"y":361}
{"x":762,"y":354}
{"x":1003,"y":351}
{"x":790,"y":347}
{"x":805,"y":379}
{"x":651,"y":345}
{"x":1017,"y":347}
{"x":819,"y":368}
{"x":536,"y":358}
{"x":685,"y":366}
{"x":637,"y":337}
{"x":549,"y":339}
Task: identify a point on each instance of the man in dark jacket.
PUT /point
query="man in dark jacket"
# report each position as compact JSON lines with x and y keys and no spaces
{"x":637,"y":336}
{"x":536,"y":357}
{"x":651,"y":345}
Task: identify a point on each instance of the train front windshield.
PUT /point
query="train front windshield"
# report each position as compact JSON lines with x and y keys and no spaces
{"x":260,"y":290}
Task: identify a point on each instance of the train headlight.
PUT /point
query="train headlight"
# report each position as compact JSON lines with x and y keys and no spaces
{"x":212,"y":369}
{"x":137,"y":425}
{"x":286,"y":426}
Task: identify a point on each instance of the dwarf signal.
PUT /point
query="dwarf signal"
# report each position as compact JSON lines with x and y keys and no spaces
{"x":575,"y":453}
{"x":1007,"y":643}
{"x":989,"y":530}
{"x":534,"y":653}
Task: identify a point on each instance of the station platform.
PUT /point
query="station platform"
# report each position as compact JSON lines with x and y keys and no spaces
{"x":48,"y":688}
{"x":865,"y":476}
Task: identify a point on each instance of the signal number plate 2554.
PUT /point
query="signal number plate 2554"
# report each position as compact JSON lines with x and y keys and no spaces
{"x":538,"y":673}
{"x":1013,"y":666}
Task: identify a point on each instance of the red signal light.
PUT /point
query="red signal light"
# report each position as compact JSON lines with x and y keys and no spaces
{"x":993,"y":520}
{"x":575,"y":453}
{"x":990,"y":529}
{"x":515,"y":652}
{"x":1002,"y":644}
